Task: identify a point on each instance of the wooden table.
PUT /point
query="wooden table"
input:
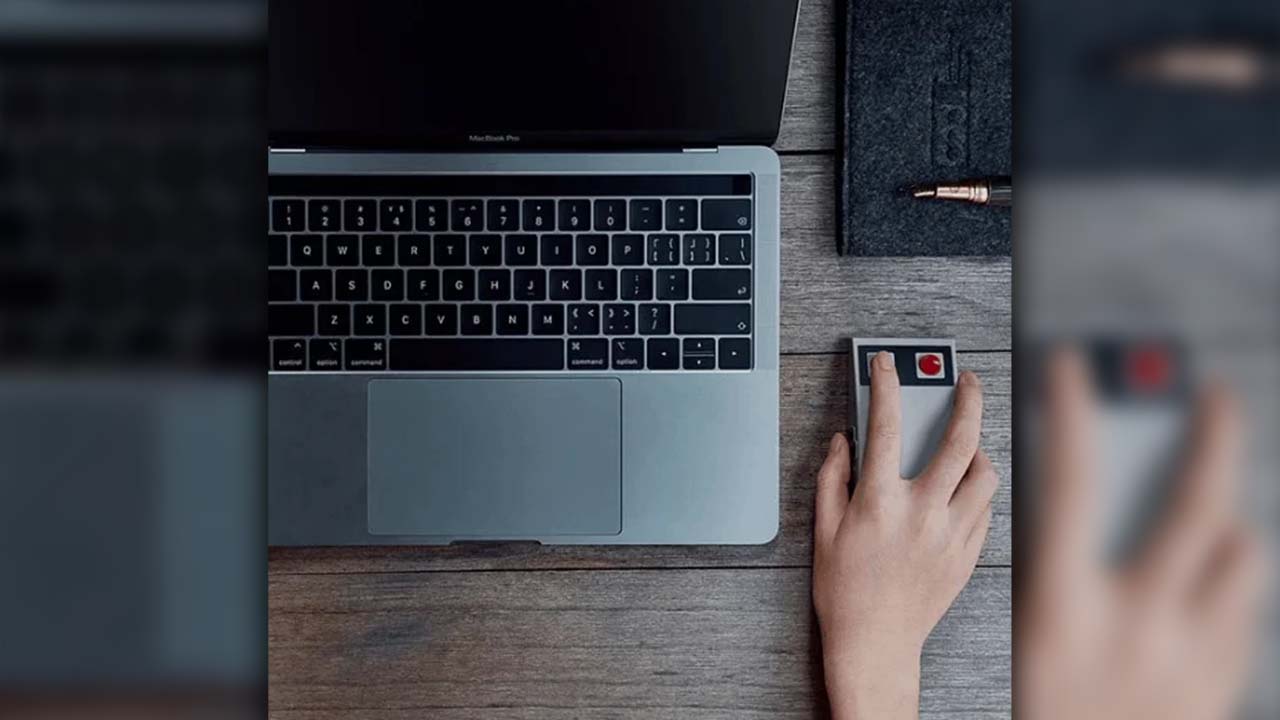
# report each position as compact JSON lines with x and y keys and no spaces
{"x":672,"y":632}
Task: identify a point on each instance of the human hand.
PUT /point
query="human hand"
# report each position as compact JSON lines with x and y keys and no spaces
{"x":888,"y":562}
{"x":1167,"y":635}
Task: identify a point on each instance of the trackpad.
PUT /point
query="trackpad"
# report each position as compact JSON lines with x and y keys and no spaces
{"x":495,"y":457}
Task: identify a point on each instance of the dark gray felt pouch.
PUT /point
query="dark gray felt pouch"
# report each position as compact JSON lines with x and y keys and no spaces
{"x":926,"y":97}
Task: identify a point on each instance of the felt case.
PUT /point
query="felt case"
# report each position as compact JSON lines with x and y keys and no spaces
{"x":926,"y":97}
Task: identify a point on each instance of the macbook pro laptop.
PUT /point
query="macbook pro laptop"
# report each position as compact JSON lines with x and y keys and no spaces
{"x":524,"y":270}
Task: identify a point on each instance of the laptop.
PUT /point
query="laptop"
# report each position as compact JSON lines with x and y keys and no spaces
{"x":524,"y":271}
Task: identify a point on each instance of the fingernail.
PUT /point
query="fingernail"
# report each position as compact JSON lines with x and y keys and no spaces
{"x":835,"y":442}
{"x":884,"y":360}
{"x":968,"y":378}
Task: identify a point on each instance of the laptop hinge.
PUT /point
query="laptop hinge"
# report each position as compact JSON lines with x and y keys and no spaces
{"x":287,"y":150}
{"x":701,"y":150}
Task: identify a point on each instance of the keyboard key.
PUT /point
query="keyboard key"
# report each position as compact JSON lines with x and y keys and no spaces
{"x":494,"y":285}
{"x":476,"y":319}
{"x":699,"y":249}
{"x":682,"y":214}
{"x":592,"y":249}
{"x":422,"y":285}
{"x":405,"y":319}
{"x":713,"y":319}
{"x":575,"y":215}
{"x":396,"y":216}
{"x":441,"y":319}
{"x":530,"y":285}
{"x":636,"y":284}
{"x":699,"y":346}
{"x":722,"y":284}
{"x":306,"y":250}
{"x":601,"y":285}
{"x":325,"y":354}
{"x":466,"y":215}
{"x":628,"y":249}
{"x":673,"y":284}
{"x":289,"y":355}
{"x":449,"y":250}
{"x":610,"y":215}
{"x":459,"y":285}
{"x":664,"y":249}
{"x":370,"y":319}
{"x":557,"y":249}
{"x":628,"y":354}
{"x":512,"y":319}
{"x":735,"y":353}
{"x":366,"y":354}
{"x":538,"y":215}
{"x":735,"y":249}
{"x":726,"y":214}
{"x":277,"y":250}
{"x":386,"y":285}
{"x":324,"y":215}
{"x":282,"y":285}
{"x":287,"y":215}
{"x":286,"y":320}
{"x":431,"y":215}
{"x":547,"y":319}
{"x":619,"y":319}
{"x":316,"y":285}
{"x":503,"y":215}
{"x":333,"y":320}
{"x":584,"y":319}
{"x":566,"y":284}
{"x":663,"y":353}
{"x":414,"y":250}
{"x":699,"y":354}
{"x":477,"y":354}
{"x":342,"y":250}
{"x":360,"y":216}
{"x":522,"y":249}
{"x":655,"y":319}
{"x":646,"y":215}
{"x":485,"y":249}
{"x":378,"y":250}
{"x":352,"y":285}
{"x":589,"y":354}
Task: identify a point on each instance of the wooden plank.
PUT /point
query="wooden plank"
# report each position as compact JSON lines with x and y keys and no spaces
{"x":731,"y":643}
{"x":808,"y":117}
{"x":826,"y":298}
{"x":814,"y":403}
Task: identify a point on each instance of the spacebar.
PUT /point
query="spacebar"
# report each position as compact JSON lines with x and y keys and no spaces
{"x":476,"y":354}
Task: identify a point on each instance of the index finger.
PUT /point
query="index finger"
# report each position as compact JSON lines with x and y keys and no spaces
{"x":882,"y":458}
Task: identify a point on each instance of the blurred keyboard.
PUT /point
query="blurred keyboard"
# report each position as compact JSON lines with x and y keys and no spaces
{"x":129,"y":186}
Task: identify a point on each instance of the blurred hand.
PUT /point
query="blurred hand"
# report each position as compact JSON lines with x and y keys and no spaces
{"x":889,"y":561}
{"x":1167,"y":636}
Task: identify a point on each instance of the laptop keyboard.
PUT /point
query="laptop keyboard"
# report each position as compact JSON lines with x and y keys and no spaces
{"x":510,"y":273}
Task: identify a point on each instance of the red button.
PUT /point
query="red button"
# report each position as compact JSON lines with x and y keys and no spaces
{"x":1149,"y":369}
{"x":929,"y":364}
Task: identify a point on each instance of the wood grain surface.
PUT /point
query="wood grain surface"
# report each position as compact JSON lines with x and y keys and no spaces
{"x":727,"y":643}
{"x":523,"y":632}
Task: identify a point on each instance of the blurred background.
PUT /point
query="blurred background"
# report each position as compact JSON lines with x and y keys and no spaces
{"x":132,"y":550}
{"x":1147,"y":233}
{"x":132,"y":539}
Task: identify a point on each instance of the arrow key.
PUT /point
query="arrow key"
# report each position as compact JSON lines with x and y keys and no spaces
{"x":735,"y":353}
{"x":664,"y":354}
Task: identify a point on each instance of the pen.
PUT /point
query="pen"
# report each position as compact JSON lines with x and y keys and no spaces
{"x":981,"y":191}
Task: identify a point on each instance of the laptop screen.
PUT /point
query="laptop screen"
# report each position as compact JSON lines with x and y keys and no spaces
{"x":518,"y":74}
